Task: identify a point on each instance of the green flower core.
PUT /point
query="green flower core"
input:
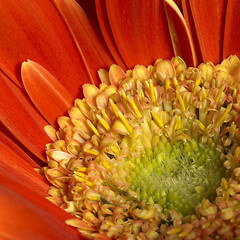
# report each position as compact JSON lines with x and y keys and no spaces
{"x":177,"y":176}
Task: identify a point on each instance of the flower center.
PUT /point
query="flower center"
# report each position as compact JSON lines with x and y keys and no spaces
{"x":177,"y":176}
{"x":153,"y":152}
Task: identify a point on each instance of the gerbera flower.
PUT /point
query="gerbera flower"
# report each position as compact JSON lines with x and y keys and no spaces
{"x":151,"y":148}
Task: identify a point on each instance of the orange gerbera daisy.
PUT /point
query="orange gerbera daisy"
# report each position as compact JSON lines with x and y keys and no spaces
{"x":142,"y":112}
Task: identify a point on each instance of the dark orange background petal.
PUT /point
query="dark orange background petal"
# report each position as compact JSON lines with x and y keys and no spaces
{"x":190,"y":23}
{"x":15,"y":167}
{"x":209,"y":22}
{"x":90,"y":45}
{"x":24,"y":219}
{"x":35,"y":30}
{"x":21,"y":118}
{"x":231,"y":45}
{"x":140,"y":30}
{"x":107,"y":32}
{"x":8,"y":140}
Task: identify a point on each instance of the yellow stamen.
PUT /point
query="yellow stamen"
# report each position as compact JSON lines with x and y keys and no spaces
{"x":201,"y":125}
{"x":93,"y":128}
{"x":103,"y":112}
{"x":124,"y":97}
{"x":181,"y":77}
{"x":167,"y":84}
{"x":77,"y":188}
{"x":135,"y":108}
{"x":234,"y":93}
{"x":142,"y":93}
{"x":114,"y":148}
{"x":151,"y":90}
{"x":175,"y":82}
{"x":103,"y":122}
{"x":236,"y":154}
{"x":181,"y":101}
{"x":207,"y":224}
{"x":92,"y":152}
{"x":183,"y":234}
{"x":95,"y":140}
{"x":81,"y":169}
{"x":196,"y":84}
{"x":104,"y":163}
{"x":80,"y":179}
{"x":80,"y":174}
{"x":204,"y":204}
{"x":224,"y":184}
{"x":125,"y":122}
{"x":157,"y":120}
{"x":219,"y":94}
{"x":232,"y":130}
{"x":178,"y":123}
{"x":203,"y":94}
{"x":114,"y":108}
{"x":174,"y":231}
{"x":95,"y":198}
{"x":224,"y":115}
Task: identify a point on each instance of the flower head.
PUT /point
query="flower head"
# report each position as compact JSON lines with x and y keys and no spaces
{"x":150,"y":152}
{"x":144,"y":153}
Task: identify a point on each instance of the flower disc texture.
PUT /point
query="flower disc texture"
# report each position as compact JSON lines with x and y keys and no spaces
{"x":152,"y":153}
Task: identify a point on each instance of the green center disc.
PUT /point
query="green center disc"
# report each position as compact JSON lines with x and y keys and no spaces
{"x":177,"y":176}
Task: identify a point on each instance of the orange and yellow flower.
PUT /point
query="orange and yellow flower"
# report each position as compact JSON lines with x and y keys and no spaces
{"x":149,"y":153}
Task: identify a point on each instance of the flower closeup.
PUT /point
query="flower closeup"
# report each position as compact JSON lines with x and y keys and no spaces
{"x":120,"y":119}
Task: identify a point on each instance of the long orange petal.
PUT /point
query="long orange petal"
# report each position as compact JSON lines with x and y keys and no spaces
{"x":24,"y":219}
{"x":180,"y":34}
{"x":23,"y":120}
{"x":140,"y":30}
{"x":47,"y":94}
{"x":190,"y":23}
{"x":17,"y":147}
{"x":15,"y":167}
{"x":231,"y":44}
{"x":35,"y":30}
{"x":90,"y":46}
{"x":209,"y":22}
{"x":107,"y":32}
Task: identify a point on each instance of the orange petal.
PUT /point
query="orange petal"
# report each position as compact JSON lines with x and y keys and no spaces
{"x":93,"y":52}
{"x":23,"y":120}
{"x":140,"y":30}
{"x":231,"y":44}
{"x":180,"y":35}
{"x":190,"y":23}
{"x":47,"y":94}
{"x":35,"y":30}
{"x":24,"y":219}
{"x":15,"y":147}
{"x":16,"y":167}
{"x":107,"y":32}
{"x":209,"y":22}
